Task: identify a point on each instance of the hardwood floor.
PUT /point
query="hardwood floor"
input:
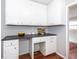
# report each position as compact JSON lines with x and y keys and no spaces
{"x":73,"y":51}
{"x":38,"y":55}
{"x":25,"y":56}
{"x":73,"y":45}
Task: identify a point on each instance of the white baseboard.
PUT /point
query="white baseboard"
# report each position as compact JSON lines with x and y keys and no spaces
{"x":61,"y":55}
{"x":23,"y":53}
{"x":73,"y":41}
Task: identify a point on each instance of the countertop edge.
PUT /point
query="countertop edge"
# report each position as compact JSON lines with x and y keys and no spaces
{"x":28,"y":36}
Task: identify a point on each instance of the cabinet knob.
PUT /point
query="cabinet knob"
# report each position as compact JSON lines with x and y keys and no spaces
{"x":11,"y":43}
{"x":51,"y":41}
{"x":14,"y":47}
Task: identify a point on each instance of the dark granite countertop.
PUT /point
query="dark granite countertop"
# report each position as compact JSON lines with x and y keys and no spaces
{"x":28,"y":36}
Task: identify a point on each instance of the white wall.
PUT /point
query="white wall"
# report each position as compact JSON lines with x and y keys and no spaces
{"x":61,"y":38}
{"x":73,"y":36}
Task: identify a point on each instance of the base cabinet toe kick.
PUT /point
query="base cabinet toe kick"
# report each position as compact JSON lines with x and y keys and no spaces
{"x":47,"y":45}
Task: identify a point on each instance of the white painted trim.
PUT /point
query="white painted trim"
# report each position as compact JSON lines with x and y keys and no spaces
{"x":60,"y":55}
{"x":39,"y":2}
{"x":67,"y":34}
{"x":77,"y":29}
{"x":67,"y":28}
{"x":73,"y":41}
{"x":71,"y":4}
{"x":23,"y":53}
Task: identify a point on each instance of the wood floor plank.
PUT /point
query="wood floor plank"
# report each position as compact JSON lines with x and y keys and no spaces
{"x":52,"y":56}
{"x":38,"y":55}
{"x":72,"y":45}
{"x":25,"y":56}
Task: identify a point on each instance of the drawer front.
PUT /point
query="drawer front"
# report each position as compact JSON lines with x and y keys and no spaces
{"x":50,"y":42}
{"x":11,"y":42}
{"x":39,"y":39}
{"x":51,"y":38}
{"x":50,"y":45}
{"x":50,"y":49}
{"x":36,"y":40}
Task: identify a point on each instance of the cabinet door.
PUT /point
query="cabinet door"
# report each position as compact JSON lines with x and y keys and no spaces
{"x":36,"y":40}
{"x":51,"y":45}
{"x":11,"y":52}
{"x":56,"y":13}
{"x":11,"y":49}
{"x":11,"y":43}
{"x":25,"y":12}
{"x":33,"y":13}
{"x":11,"y":11}
{"x":39,"y":14}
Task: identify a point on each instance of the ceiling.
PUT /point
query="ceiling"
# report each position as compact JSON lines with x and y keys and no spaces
{"x":46,"y":2}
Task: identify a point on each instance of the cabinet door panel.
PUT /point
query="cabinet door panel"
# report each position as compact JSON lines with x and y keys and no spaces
{"x":38,"y":14}
{"x":51,"y":45}
{"x":11,"y":49}
{"x":11,"y":43}
{"x":56,"y":13}
{"x":33,"y":13}
{"x":51,"y":48}
{"x":11,"y":52}
{"x":25,"y":12}
{"x":11,"y":11}
{"x":36,"y":40}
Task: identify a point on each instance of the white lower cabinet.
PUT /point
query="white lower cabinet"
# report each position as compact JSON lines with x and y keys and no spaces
{"x":51,"y":45}
{"x":50,"y":48}
{"x":38,"y":39}
{"x":11,"y":49}
{"x":47,"y":44}
{"x":25,"y":12}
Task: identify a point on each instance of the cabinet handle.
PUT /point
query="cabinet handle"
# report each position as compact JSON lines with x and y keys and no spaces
{"x":51,"y":41}
{"x":11,"y":43}
{"x":14,"y":47}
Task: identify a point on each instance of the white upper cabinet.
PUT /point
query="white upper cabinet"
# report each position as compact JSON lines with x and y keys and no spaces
{"x":56,"y":12}
{"x":39,"y":14}
{"x":11,"y":11}
{"x":25,"y":12}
